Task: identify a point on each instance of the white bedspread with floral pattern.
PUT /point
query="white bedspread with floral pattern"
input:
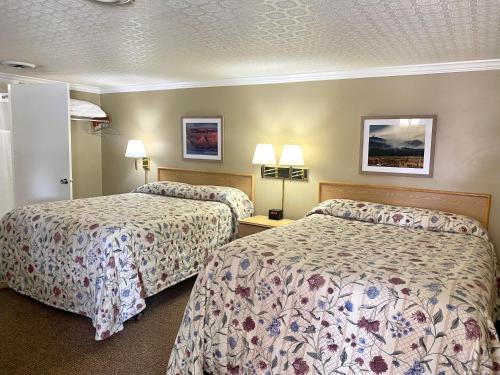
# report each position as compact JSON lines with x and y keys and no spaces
{"x":353,"y":288}
{"x":101,"y":257}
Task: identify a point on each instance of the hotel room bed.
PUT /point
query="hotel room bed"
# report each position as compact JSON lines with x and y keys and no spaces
{"x":354,"y":287}
{"x":101,"y":257}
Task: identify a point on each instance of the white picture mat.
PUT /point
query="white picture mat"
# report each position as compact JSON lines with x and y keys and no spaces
{"x":204,"y":120}
{"x":427,"y":122}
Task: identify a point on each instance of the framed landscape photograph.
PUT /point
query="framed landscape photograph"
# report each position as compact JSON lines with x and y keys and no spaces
{"x":398,"y":145}
{"x":202,"y":138}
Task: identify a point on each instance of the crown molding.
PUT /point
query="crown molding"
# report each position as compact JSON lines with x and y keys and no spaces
{"x":85,"y":88}
{"x":393,"y":71}
{"x":16,"y":78}
{"x":453,"y":67}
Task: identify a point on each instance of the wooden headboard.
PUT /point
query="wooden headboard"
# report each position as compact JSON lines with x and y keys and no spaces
{"x":473,"y":205}
{"x":244,"y":182}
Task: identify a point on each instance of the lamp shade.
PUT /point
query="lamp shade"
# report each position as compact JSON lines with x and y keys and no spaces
{"x":291,"y":155}
{"x":135,"y":149}
{"x":264,"y":154}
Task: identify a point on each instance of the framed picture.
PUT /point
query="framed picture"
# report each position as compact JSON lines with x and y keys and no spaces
{"x":398,"y":145}
{"x":202,"y":138}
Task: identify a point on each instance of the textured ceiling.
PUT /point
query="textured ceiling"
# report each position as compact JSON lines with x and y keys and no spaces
{"x":153,"y":41}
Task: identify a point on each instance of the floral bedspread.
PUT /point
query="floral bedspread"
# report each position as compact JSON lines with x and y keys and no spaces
{"x":353,"y":288}
{"x":101,"y":257}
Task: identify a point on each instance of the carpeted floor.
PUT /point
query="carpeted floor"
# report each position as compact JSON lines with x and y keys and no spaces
{"x":38,"y":339}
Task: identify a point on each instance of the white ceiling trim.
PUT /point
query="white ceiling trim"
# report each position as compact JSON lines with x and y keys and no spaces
{"x":85,"y":88}
{"x":454,"y":67}
{"x":16,"y":78}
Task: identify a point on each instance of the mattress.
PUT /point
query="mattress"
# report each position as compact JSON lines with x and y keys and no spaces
{"x":101,"y":257}
{"x":353,"y":288}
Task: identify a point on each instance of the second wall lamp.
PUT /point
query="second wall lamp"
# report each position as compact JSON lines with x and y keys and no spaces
{"x":290,"y":166}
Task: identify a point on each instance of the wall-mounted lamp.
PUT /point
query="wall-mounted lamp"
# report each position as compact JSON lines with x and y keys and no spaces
{"x":289,"y":168}
{"x":135,"y":149}
{"x":291,"y":155}
{"x":290,"y":161}
{"x":264,"y":154}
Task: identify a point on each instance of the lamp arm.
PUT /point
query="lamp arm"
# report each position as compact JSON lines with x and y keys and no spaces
{"x":283,"y":195}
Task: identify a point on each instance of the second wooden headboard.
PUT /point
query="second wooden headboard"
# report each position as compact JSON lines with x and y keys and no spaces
{"x":473,"y":205}
{"x":244,"y":182}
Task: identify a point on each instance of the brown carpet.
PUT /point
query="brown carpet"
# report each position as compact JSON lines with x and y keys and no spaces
{"x":38,"y":339}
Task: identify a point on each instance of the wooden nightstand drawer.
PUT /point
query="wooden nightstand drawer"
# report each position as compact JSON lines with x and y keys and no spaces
{"x":248,"y":229}
{"x":256,"y":224}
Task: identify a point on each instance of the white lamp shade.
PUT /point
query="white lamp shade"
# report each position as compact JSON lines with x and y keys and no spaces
{"x":291,"y":155}
{"x":135,"y":149}
{"x":264,"y":154}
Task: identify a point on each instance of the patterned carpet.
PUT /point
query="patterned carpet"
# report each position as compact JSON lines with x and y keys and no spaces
{"x":38,"y":339}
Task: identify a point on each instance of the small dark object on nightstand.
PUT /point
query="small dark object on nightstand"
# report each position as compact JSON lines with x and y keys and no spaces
{"x":275,"y":214}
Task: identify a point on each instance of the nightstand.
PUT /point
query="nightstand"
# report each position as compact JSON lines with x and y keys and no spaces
{"x":256,"y":224}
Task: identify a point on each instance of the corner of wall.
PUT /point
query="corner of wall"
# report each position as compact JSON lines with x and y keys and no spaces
{"x":87,"y":154}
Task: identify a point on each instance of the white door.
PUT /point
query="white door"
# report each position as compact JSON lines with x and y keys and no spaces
{"x":6,"y":181}
{"x":40,"y":142}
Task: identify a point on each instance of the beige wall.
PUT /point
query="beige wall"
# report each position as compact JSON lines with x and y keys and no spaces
{"x":324,"y":117}
{"x":86,"y":154}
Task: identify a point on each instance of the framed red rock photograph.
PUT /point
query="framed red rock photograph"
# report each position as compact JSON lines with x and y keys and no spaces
{"x":202,"y":138}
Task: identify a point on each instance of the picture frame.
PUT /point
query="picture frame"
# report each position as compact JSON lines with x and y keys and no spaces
{"x":398,"y":145}
{"x":202,"y":138}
